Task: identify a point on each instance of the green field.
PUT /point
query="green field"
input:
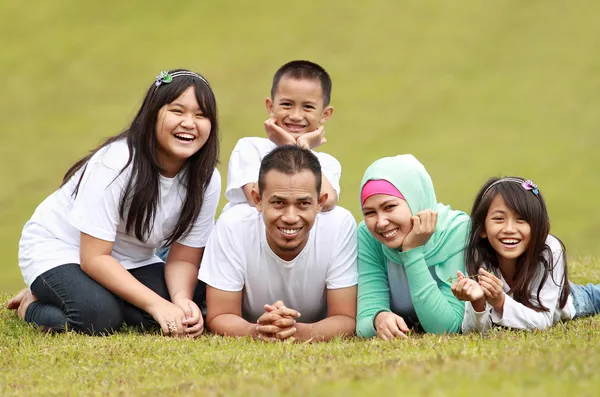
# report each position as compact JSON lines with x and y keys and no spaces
{"x":473,"y":88}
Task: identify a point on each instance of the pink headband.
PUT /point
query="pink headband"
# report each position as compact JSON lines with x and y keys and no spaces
{"x":379,"y":186}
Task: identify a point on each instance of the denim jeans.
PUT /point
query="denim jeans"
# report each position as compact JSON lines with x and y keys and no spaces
{"x":69,"y":299}
{"x":586,"y":299}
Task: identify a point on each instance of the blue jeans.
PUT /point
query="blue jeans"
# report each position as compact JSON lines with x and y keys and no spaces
{"x":586,"y":299}
{"x":69,"y":299}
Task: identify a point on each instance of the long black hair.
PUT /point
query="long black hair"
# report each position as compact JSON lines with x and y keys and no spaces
{"x":532,"y":208}
{"x":141,"y":195}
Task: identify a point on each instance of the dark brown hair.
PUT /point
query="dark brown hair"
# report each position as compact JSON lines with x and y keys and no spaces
{"x":538,"y":254}
{"x":289,"y":160}
{"x":141,"y":194}
{"x":304,"y":70}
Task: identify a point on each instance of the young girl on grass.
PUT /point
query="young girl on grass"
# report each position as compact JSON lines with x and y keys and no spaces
{"x":88,"y":252}
{"x":518,"y":271}
{"x":408,"y":247}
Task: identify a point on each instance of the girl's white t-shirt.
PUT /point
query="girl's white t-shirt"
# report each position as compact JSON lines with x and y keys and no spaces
{"x":515,"y":314}
{"x":51,"y":237}
{"x":239,"y":258}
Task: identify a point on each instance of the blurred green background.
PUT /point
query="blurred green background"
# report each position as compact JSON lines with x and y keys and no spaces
{"x":472,"y":88}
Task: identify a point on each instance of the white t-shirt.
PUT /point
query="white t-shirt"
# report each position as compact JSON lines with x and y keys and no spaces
{"x":244,"y":166}
{"x":519,"y":316}
{"x":51,"y":237}
{"x":238,"y":257}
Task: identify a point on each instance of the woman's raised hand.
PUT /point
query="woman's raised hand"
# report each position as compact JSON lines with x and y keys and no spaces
{"x":423,"y":228}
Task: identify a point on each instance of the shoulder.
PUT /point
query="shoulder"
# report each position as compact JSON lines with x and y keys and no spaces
{"x":326,"y":158}
{"x":114,"y":156}
{"x":262,"y":145}
{"x":215,"y":182}
{"x":556,"y":247}
{"x":239,"y":217}
{"x":338,"y":216}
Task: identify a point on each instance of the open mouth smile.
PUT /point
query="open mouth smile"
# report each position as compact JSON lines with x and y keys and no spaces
{"x":510,"y":242}
{"x":185,"y":137}
{"x":294,"y":127}
{"x":289,"y":232}
{"x":389,"y":234}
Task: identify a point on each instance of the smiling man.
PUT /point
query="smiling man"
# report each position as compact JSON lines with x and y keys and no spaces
{"x":283,"y":269}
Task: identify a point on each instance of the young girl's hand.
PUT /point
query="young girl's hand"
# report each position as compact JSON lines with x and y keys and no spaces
{"x":389,"y":326}
{"x":169,"y":316}
{"x":313,"y":139}
{"x":467,"y":289}
{"x":193,"y":322}
{"x":493,"y":289}
{"x":423,"y":227}
{"x":278,"y":135}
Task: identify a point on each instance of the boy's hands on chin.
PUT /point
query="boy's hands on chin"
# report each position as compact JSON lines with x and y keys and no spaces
{"x":313,"y":139}
{"x":279,"y":136}
{"x":277,"y":323}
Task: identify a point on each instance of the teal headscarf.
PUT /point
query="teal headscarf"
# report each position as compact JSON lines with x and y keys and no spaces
{"x":409,"y":176}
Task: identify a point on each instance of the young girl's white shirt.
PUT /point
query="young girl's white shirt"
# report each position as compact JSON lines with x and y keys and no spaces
{"x":517,"y":315}
{"x":244,"y":166}
{"x":51,"y":237}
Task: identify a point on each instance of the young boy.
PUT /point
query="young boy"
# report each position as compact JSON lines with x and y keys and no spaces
{"x":298,"y":107}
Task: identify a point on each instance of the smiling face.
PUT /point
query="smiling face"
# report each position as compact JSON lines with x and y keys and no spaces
{"x":181,"y":130}
{"x":507,"y":232}
{"x":289,"y":204}
{"x":388,"y":219}
{"x":298,"y":106}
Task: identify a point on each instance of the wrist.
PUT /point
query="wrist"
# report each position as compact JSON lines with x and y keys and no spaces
{"x":479,"y":305}
{"x":498,"y":305}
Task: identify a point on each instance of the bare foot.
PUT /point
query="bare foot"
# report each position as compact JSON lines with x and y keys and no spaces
{"x":27,"y":300}
{"x":15,"y":301}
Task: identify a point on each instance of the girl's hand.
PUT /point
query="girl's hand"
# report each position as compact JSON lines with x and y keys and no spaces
{"x":169,"y":316}
{"x":278,"y":135}
{"x":493,"y":289}
{"x":193,"y":321}
{"x":423,"y":227}
{"x":313,"y":139}
{"x":390,"y":326}
{"x":467,"y":289}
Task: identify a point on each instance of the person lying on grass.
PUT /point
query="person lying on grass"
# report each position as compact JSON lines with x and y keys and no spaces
{"x":283,"y":270}
{"x":87,"y":253}
{"x":408,"y":246}
{"x":517,"y":271}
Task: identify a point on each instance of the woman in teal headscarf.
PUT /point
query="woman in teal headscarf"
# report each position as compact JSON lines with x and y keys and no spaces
{"x":409,"y":247}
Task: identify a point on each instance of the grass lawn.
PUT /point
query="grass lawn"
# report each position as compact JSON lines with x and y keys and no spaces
{"x":561,"y":361}
{"x":472,"y":88}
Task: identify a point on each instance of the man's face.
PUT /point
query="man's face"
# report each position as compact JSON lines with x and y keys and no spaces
{"x":289,"y":204}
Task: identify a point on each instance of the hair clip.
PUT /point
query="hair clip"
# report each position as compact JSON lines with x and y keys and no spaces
{"x":529,"y":185}
{"x":163,"y":77}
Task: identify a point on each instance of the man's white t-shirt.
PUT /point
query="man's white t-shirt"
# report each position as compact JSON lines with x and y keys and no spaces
{"x":244,"y":166}
{"x":51,"y":237}
{"x":238,"y":258}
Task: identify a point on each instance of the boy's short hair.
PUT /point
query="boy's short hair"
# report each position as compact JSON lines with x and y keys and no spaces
{"x":304,"y":70}
{"x":290,"y":160}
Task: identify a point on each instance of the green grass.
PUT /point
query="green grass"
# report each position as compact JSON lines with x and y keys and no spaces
{"x":557,"y":362}
{"x":472,"y":88}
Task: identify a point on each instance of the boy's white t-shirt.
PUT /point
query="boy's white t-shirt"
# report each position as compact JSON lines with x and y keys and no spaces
{"x":515,"y":314}
{"x":244,"y":166}
{"x":51,"y":237}
{"x":238,"y":258}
